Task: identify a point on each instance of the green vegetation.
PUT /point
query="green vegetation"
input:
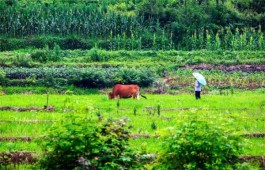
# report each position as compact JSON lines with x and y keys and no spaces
{"x":60,"y":58}
{"x":85,"y":142}
{"x":133,"y":25}
{"x":67,"y":79}
{"x":103,"y":58}
{"x":240,"y":112}
{"x":77,"y":68}
{"x":200,"y":145}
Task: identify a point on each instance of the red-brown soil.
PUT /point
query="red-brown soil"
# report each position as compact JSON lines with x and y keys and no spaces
{"x":20,"y":157}
{"x":24,"y":109}
{"x":133,"y":136}
{"x":243,"y":67}
{"x":260,"y":159}
{"x":13,"y":139}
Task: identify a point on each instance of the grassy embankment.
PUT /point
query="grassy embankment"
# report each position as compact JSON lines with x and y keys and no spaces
{"x":149,"y":58}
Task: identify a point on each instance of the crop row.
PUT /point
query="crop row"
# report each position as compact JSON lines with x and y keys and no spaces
{"x":117,"y":31}
{"x":250,"y":40}
{"x":54,"y":55}
{"x":222,"y":83}
{"x":85,"y":77}
{"x":98,"y":77}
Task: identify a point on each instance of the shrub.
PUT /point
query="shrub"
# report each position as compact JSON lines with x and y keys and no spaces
{"x":88,"y":143}
{"x":23,"y":60}
{"x":49,"y":81}
{"x":11,"y":44}
{"x":200,"y":145}
{"x":92,"y":77}
{"x":96,"y":56}
{"x":141,"y":76}
{"x":40,"y":56}
{"x":46,"y":54}
{"x":75,"y":43}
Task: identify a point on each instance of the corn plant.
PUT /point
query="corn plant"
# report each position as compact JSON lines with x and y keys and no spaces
{"x":261,"y":42}
{"x":208,"y":40}
{"x":154,"y":41}
{"x":217,"y":42}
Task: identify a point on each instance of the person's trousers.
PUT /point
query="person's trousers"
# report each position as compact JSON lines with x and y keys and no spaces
{"x":197,"y":94}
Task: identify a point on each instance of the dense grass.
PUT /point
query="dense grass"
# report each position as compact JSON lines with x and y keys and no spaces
{"x":29,"y":115}
{"x":254,"y":146}
{"x":32,"y":57}
{"x":19,"y":146}
{"x":242,"y":111}
{"x":240,"y":99}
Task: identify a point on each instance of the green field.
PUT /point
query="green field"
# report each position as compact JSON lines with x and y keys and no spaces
{"x":243,"y":111}
{"x":60,"y":58}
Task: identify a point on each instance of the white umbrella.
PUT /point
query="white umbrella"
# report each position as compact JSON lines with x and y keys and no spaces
{"x":200,"y":78}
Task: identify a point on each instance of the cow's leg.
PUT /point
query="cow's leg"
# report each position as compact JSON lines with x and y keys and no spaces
{"x":138,"y":95}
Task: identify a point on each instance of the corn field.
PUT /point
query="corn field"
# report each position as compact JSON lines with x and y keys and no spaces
{"x":119,"y":31}
{"x":246,"y":39}
{"x":64,"y":20}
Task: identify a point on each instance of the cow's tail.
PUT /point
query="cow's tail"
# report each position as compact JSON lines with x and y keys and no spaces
{"x":143,"y":96}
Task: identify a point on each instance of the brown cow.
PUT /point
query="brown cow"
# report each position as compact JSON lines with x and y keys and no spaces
{"x":125,"y":91}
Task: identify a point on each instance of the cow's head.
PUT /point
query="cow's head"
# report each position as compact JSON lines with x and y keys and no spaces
{"x":111,"y":95}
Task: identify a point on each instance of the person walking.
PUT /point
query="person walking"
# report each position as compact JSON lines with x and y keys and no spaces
{"x":197,"y":89}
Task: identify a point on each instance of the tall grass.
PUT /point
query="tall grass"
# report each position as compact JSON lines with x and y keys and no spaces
{"x":137,"y":32}
{"x":245,"y":39}
{"x":64,"y":19}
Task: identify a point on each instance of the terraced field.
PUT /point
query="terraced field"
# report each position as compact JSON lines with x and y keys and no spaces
{"x":24,"y":120}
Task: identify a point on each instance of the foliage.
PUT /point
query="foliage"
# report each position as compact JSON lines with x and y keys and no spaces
{"x":47,"y":55}
{"x":23,"y":60}
{"x":217,"y":79}
{"x":200,"y":145}
{"x":115,"y":25}
{"x":87,"y":143}
{"x":242,"y":110}
{"x":159,"y":60}
{"x":2,"y":74}
{"x":101,"y":77}
{"x":92,"y":77}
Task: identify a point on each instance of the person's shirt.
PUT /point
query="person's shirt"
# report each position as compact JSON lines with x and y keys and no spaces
{"x":197,"y":86}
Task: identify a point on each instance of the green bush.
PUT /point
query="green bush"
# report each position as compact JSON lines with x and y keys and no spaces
{"x":88,"y":143}
{"x":95,"y":56}
{"x":11,"y":44}
{"x":141,"y":76}
{"x":23,"y":60}
{"x":76,"y":43}
{"x":40,"y":56}
{"x":200,"y":145}
{"x":46,"y":54}
{"x":20,"y":82}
